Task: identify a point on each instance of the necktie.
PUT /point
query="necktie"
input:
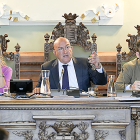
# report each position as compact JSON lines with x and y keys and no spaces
{"x":65,"y":80}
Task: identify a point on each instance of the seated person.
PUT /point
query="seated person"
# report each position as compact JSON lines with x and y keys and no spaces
{"x":80,"y":70}
{"x":5,"y":74}
{"x":130,"y":76}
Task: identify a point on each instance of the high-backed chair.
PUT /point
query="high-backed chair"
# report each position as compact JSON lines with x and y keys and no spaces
{"x":124,"y":57}
{"x":15,"y":57}
{"x":77,"y":35}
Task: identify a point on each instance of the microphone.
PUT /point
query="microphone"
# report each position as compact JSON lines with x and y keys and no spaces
{"x":123,"y":81}
{"x":62,"y":72}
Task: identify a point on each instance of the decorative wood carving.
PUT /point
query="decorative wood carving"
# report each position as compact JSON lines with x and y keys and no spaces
{"x":63,"y":128}
{"x":126,"y":56}
{"x":11,"y":56}
{"x":28,"y":135}
{"x":84,"y":135}
{"x":135,"y":115}
{"x":43,"y":134}
{"x":122,"y":134}
{"x":76,"y":34}
{"x":17,"y":62}
{"x":100,"y":134}
{"x":47,"y":47}
{"x":3,"y":42}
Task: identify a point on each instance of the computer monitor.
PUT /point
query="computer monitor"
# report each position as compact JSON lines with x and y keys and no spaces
{"x":21,"y":86}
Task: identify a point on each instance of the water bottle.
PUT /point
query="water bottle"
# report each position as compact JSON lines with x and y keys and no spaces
{"x":45,"y":85}
{"x":111,"y":91}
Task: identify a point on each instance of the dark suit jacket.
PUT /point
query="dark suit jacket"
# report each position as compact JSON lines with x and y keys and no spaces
{"x":84,"y":72}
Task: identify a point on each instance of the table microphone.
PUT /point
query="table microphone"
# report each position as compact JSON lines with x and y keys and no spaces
{"x":123,"y":81}
{"x":62,"y":72}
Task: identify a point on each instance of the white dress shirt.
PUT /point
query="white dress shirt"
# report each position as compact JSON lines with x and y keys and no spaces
{"x":73,"y":83}
{"x":71,"y":74}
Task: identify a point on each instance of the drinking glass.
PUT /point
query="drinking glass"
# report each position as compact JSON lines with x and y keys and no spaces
{"x":91,"y":91}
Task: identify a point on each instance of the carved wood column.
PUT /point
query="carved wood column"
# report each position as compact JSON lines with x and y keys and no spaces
{"x":135,"y":115}
{"x":17,"y":62}
{"x":94,"y":45}
{"x":118,"y":60}
{"x":47,"y":47}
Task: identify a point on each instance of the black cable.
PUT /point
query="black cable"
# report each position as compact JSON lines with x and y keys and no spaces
{"x":37,"y":93}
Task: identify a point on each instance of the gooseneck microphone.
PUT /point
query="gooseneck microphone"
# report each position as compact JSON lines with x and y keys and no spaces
{"x":123,"y":81}
{"x":62,"y":72}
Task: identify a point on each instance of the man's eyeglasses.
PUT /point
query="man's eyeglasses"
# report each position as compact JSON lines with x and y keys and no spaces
{"x":67,"y":48}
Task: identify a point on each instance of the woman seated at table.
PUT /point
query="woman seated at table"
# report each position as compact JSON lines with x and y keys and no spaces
{"x":5,"y":74}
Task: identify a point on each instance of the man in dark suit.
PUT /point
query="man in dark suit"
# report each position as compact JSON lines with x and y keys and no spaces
{"x":80,"y":71}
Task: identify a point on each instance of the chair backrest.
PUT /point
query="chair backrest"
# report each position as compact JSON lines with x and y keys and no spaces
{"x":11,"y":57}
{"x":78,"y":35}
{"x":124,"y":57}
